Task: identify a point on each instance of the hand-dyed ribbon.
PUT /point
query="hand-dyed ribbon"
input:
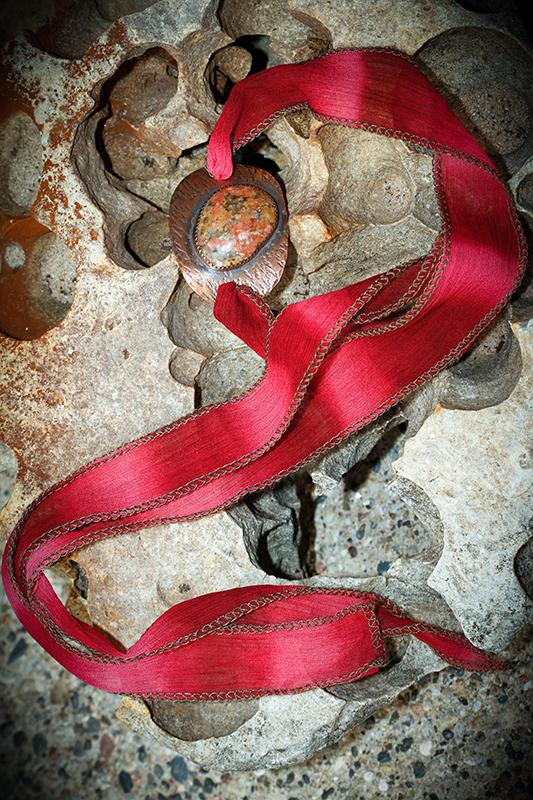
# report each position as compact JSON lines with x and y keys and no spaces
{"x":332,"y":364}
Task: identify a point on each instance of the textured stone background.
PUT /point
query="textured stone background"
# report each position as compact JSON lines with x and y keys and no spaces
{"x":452,"y":736}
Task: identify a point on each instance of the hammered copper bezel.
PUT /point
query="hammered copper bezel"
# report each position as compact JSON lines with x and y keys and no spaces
{"x":263,"y":270}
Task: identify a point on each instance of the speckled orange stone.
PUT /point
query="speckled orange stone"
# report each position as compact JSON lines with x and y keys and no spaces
{"x":233,"y":224}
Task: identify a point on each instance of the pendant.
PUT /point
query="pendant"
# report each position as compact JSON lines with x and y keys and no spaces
{"x":229,"y":230}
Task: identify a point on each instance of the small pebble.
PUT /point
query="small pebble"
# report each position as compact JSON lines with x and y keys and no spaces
{"x":368,"y":776}
{"x":93,"y":725}
{"x":383,"y":785}
{"x":425,"y":748}
{"x":124,"y":778}
{"x":7,"y":729}
{"x":18,"y":738}
{"x":14,"y":256}
{"x":40,"y":746}
{"x":406,"y":744}
{"x":19,"y":650}
{"x":179,"y":769}
{"x":107,"y":745}
{"x":419,"y":769}
{"x":513,"y":754}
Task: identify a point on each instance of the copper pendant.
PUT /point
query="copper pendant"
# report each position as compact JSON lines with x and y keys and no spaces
{"x":232,"y":230}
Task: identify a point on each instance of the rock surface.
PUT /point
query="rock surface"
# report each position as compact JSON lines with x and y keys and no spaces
{"x":477,"y":470}
{"x":493,"y":92}
{"x":101,"y":377}
{"x":289,"y":729}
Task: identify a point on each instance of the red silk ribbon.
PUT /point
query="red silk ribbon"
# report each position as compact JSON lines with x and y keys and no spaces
{"x":333,"y":363}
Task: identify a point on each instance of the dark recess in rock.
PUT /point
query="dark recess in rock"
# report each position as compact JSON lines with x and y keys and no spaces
{"x":487,"y":374}
{"x":111,"y":147}
{"x":201,"y":719}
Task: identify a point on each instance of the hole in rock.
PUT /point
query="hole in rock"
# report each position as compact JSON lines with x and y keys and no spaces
{"x":139,"y":89}
{"x":8,"y":473}
{"x":263,"y":154}
{"x":259,"y":49}
{"x":37,"y":278}
{"x":21,"y":160}
{"x":354,"y":527}
{"x":362,"y":526}
{"x":131,"y":168}
{"x":246,"y":56}
{"x":226,"y":67}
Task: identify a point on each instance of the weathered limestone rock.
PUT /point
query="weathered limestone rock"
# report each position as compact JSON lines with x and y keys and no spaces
{"x":403,"y":24}
{"x":191,"y":721}
{"x":227,"y":375}
{"x":492,"y":93}
{"x":98,"y":380}
{"x":101,"y":377}
{"x":191,"y":324}
{"x":477,"y":470}
{"x":290,"y":729}
{"x":149,"y":239}
{"x":177,"y":562}
{"x":291,"y":40}
{"x":115,"y":9}
{"x":488,"y":373}
{"x":20,"y":161}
